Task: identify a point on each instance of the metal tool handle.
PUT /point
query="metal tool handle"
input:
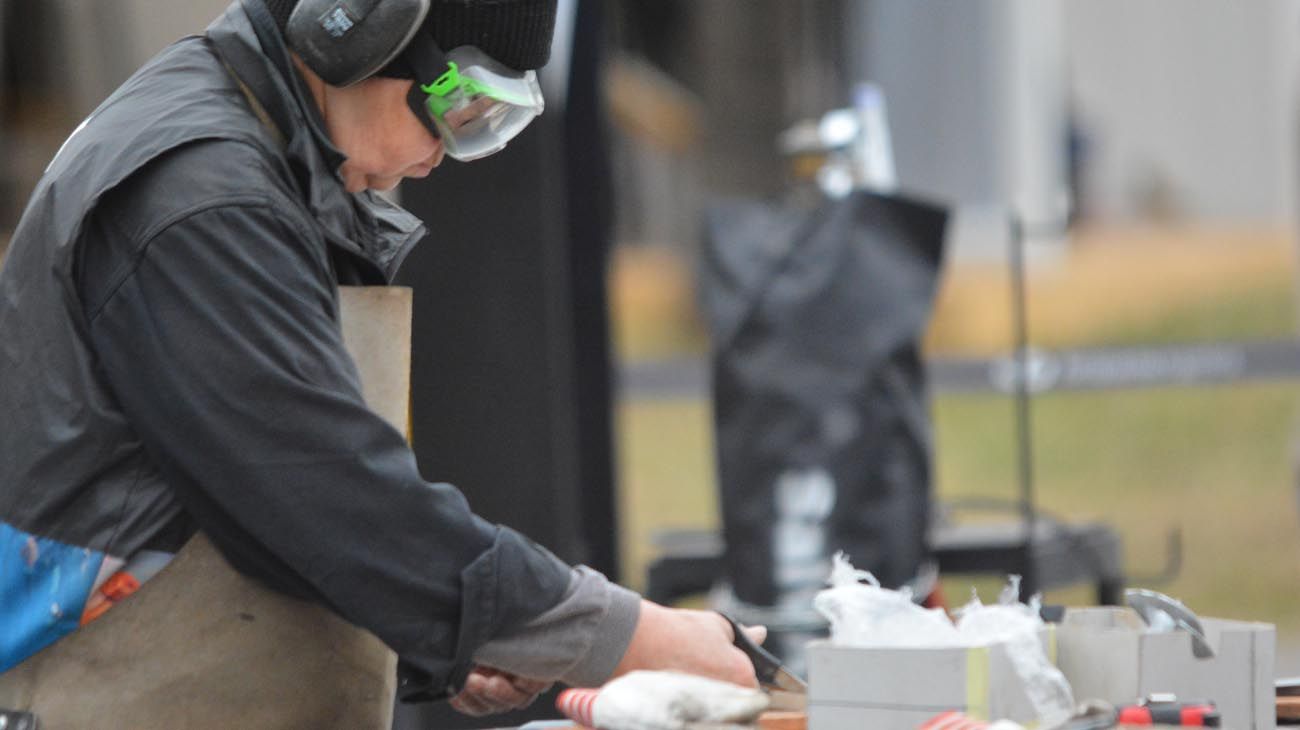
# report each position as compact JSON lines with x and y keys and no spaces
{"x":771,"y":674}
{"x":766,"y":664}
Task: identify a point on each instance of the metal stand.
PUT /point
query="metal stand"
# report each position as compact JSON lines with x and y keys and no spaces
{"x":1046,"y":553}
{"x":1023,"y":415}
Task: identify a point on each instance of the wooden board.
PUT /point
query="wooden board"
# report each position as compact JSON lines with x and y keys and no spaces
{"x":783,"y":720}
{"x":1288,"y":708}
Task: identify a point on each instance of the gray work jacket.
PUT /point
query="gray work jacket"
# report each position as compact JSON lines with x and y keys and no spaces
{"x":170,"y":359}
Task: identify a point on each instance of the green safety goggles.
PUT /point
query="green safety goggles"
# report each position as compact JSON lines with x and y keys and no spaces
{"x":474,"y":104}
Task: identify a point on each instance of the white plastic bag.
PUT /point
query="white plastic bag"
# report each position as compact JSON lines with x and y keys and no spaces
{"x":867,"y":615}
{"x":1017,"y":626}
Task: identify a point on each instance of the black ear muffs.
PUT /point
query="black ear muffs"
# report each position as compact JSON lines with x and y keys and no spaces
{"x":345,"y":41}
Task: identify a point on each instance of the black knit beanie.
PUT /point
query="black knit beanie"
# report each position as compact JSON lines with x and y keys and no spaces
{"x":516,"y":33}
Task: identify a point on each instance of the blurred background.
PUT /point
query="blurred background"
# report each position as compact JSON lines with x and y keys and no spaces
{"x":1148,"y":146}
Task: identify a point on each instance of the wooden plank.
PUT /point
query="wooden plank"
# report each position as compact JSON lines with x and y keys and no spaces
{"x":1288,"y":708}
{"x":783,"y":720}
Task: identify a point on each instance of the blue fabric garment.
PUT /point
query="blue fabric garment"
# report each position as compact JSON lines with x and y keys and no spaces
{"x":43,"y":589}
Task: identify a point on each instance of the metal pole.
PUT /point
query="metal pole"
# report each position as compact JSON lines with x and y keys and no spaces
{"x":1023,"y":415}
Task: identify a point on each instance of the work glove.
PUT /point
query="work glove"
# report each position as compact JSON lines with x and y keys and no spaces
{"x":647,"y":700}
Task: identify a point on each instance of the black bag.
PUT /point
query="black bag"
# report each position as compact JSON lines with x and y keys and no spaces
{"x":822,"y":424}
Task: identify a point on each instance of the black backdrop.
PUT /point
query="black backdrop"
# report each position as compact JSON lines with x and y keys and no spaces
{"x":511,"y":355}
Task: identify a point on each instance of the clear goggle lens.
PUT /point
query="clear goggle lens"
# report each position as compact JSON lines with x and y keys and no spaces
{"x":478,"y":105}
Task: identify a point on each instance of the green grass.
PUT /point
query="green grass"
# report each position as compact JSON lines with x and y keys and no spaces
{"x":1214,"y":462}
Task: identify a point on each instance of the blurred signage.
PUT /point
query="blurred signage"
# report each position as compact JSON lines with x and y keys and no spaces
{"x":1122,"y":367}
{"x":1046,"y":370}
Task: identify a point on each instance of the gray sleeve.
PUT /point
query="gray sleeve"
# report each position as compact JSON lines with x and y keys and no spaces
{"x":579,"y":641}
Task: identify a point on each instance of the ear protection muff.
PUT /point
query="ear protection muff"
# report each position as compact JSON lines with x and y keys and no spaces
{"x":345,"y":41}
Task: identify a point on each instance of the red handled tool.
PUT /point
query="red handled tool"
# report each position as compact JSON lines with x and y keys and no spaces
{"x":1167,"y":710}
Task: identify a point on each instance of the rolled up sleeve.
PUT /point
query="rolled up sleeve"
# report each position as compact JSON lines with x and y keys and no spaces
{"x":580,"y":640}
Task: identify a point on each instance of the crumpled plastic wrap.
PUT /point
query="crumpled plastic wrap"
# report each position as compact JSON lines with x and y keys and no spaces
{"x":1017,"y":625}
{"x":866,"y":615}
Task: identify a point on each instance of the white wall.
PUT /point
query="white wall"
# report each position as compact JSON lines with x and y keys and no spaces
{"x":1196,"y":96}
{"x":975,"y":91}
{"x":1189,"y":106}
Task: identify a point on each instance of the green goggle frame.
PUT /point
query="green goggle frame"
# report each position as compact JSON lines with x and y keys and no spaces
{"x":474,"y":105}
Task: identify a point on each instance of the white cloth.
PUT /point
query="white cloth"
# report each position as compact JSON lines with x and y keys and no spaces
{"x":670,"y":701}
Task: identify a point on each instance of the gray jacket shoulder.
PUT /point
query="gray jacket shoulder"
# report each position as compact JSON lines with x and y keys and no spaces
{"x":170,"y":189}
{"x":203,"y":174}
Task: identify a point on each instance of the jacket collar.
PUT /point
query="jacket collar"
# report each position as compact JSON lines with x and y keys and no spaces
{"x":364,"y":224}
